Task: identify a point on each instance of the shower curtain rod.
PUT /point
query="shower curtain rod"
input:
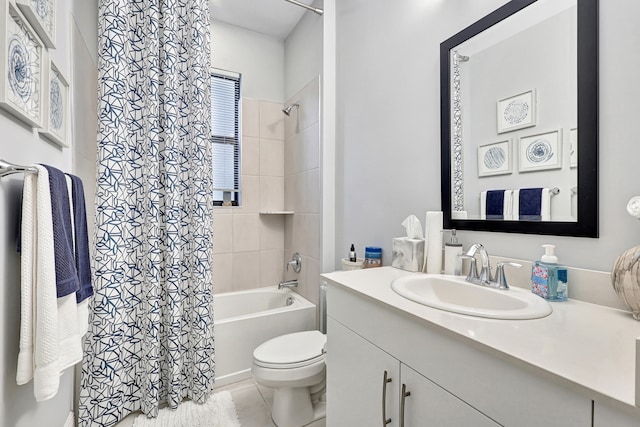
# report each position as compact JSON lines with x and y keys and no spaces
{"x":7,"y":168}
{"x":313,"y":9}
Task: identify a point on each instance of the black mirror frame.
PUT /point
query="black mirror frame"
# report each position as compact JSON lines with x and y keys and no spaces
{"x":587,"y":224}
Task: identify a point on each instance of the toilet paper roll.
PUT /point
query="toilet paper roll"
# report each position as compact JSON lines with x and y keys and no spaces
{"x":433,"y":234}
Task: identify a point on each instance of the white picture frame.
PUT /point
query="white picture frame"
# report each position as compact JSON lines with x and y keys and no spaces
{"x":41,"y":14}
{"x":573,"y":148}
{"x":494,"y":159}
{"x":540,"y":152}
{"x":516,"y":112}
{"x":56,"y":106}
{"x":21,"y":66}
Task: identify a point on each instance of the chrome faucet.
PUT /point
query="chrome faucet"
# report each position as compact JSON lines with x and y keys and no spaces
{"x":288,"y":284}
{"x":485,"y":278}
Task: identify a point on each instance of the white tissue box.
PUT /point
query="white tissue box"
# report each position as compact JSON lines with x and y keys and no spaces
{"x":408,"y":254}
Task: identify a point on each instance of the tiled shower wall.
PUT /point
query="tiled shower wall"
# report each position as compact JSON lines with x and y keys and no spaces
{"x":302,"y":187}
{"x":249,"y":247}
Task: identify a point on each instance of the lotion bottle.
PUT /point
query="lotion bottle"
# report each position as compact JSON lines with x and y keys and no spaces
{"x":452,"y":263}
{"x":548,"y":279}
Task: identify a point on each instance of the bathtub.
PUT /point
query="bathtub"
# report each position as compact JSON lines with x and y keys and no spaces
{"x":243,"y":320}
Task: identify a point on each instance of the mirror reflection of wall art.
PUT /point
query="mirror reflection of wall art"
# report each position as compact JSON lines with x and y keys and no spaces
{"x":56,"y":106}
{"x":494,"y":159}
{"x":41,"y":14}
{"x":20,"y":67}
{"x":517,"y":112}
{"x":540,"y":152}
{"x":573,"y":148}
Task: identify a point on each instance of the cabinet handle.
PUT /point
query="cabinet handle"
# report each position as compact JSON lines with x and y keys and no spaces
{"x":385,"y":381}
{"x":405,"y":394}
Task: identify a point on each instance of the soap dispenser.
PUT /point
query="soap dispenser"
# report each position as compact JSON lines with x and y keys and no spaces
{"x":548,"y":279}
{"x":452,"y":262}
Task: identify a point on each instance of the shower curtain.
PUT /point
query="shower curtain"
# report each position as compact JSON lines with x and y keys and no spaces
{"x":150,"y":336}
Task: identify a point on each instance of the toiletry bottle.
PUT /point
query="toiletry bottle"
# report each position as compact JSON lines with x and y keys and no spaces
{"x":372,"y":257}
{"x":548,"y":279}
{"x":452,"y":264}
{"x":352,"y":254}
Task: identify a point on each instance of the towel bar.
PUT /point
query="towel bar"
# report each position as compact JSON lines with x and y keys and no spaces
{"x":7,"y":168}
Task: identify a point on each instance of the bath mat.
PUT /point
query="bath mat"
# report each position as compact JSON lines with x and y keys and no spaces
{"x":218,"y":411}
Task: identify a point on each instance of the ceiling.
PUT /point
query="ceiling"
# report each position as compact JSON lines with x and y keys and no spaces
{"x":275,"y":18}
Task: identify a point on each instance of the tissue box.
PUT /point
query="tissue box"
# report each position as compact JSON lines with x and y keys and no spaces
{"x":408,"y":254}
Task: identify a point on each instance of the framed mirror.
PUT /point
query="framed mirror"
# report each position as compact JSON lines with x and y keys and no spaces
{"x":517,"y":87}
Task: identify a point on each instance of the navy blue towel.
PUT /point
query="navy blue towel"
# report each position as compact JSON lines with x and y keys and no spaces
{"x":66,"y":274}
{"x":83,"y":263}
{"x":495,"y":204}
{"x":530,"y":208}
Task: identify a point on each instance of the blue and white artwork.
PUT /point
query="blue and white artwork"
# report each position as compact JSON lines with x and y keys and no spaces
{"x":22,"y":78}
{"x":540,"y":152}
{"x":517,"y":112}
{"x":494,"y":159}
{"x":41,"y":14}
{"x":56,"y":123}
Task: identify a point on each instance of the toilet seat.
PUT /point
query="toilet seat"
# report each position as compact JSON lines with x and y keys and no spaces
{"x":294,"y":350}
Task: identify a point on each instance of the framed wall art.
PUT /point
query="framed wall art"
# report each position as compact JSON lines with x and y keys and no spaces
{"x":573,"y":148}
{"x":21,"y":66}
{"x":517,"y":111}
{"x":494,"y":159}
{"x":56,"y":95}
{"x":540,"y":152}
{"x":41,"y":14}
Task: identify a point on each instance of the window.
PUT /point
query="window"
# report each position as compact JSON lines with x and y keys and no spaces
{"x":225,"y":137}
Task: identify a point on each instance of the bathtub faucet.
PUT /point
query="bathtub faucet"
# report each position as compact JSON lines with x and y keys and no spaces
{"x":288,"y":284}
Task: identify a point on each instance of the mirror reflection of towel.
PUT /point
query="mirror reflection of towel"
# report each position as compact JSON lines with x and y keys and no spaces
{"x":496,"y":205}
{"x":533,"y":204}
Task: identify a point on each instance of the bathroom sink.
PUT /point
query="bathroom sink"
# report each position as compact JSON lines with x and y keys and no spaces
{"x":453,"y":293}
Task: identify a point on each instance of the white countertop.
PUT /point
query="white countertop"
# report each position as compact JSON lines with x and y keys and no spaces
{"x":591,"y":346}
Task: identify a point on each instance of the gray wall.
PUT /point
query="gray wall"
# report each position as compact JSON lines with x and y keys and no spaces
{"x":388,"y":129}
{"x":77,"y":20}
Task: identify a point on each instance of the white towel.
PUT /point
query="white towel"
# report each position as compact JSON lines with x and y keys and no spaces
{"x":49,"y":330}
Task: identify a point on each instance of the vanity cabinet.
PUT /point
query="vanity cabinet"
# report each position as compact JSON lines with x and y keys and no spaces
{"x":370,"y":386}
{"x":452,"y":380}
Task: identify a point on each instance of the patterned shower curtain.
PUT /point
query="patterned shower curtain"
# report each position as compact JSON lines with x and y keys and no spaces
{"x":150,"y":336}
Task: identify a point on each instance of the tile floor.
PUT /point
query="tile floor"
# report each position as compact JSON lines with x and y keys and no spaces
{"x":252,"y":404}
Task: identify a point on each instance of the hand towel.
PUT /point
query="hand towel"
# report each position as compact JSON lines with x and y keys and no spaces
{"x":39,"y":344}
{"x":532,"y":204}
{"x":66,"y":274}
{"x":496,"y":204}
{"x":81,"y":239}
{"x":83,"y":264}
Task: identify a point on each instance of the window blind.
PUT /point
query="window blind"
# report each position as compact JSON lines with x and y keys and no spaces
{"x":225,"y":140}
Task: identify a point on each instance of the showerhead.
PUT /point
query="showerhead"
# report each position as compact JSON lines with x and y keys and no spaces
{"x":287,"y":110}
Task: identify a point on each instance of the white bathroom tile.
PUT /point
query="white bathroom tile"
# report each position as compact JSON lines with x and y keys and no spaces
{"x":271,"y":232}
{"x":288,"y":155}
{"x":271,"y":120}
{"x":271,"y":157}
{"x":289,"y":198}
{"x":246,"y":270}
{"x":312,"y":192}
{"x":250,"y":406}
{"x":299,"y":192}
{"x":310,"y":103}
{"x":312,"y":235}
{"x":271,"y":267}
{"x":250,"y":155}
{"x":250,"y":117}
{"x":222,"y":273}
{"x":271,"y":193}
{"x":299,"y":233}
{"x":288,"y":233}
{"x":297,"y":153}
{"x":250,"y":196}
{"x":311,"y":147}
{"x":246,"y":232}
{"x":223,"y":233}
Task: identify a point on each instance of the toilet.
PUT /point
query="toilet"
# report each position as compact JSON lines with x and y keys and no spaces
{"x":294,"y":366}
